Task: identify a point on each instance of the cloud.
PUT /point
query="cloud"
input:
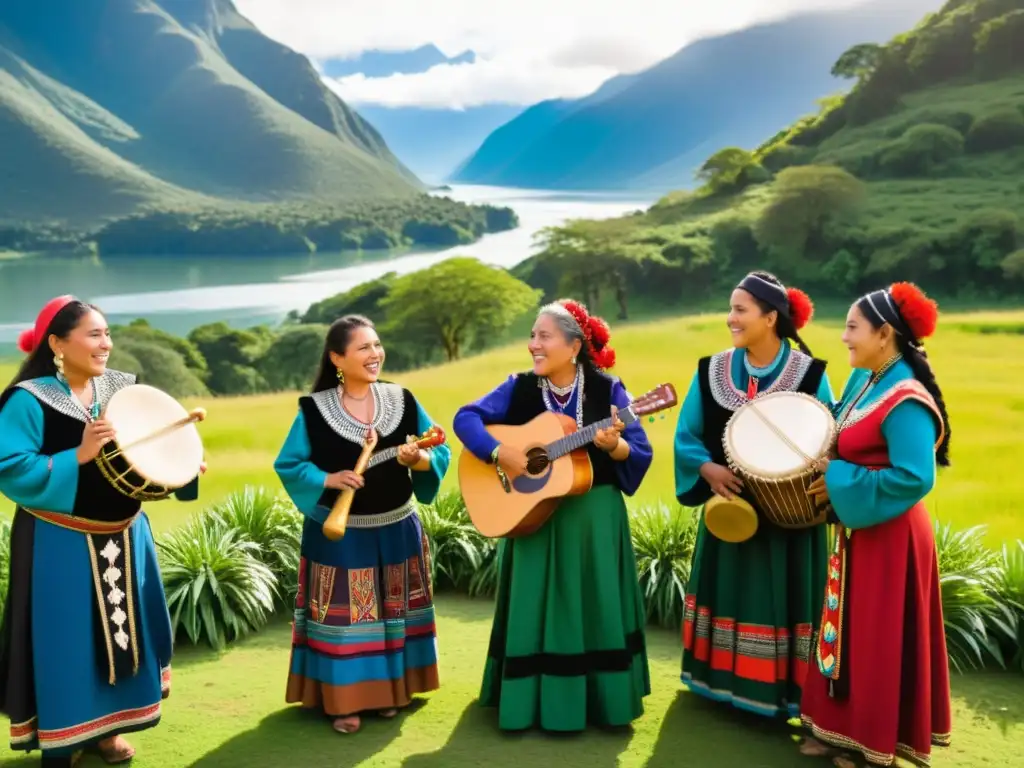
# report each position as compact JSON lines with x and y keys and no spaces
{"x":504,"y":80}
{"x":529,"y":50}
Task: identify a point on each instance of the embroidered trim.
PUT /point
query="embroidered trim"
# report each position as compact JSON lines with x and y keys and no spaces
{"x":729,"y":397}
{"x":53,"y":394}
{"x":66,"y":737}
{"x":388,"y":410}
{"x":877,"y":758}
{"x":82,"y":524}
{"x":383,"y":518}
{"x":909,"y":389}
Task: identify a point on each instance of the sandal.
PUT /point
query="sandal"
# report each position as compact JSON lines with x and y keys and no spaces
{"x":844,"y":761}
{"x":116,"y":754}
{"x":813,"y":748}
{"x":347,"y":724}
{"x":388,"y":713}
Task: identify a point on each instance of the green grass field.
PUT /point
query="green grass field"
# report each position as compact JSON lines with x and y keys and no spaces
{"x":976,"y":367}
{"x":228,"y":711}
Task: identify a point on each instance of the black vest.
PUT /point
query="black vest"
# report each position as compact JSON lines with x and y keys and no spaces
{"x":527,"y":403}
{"x":336,"y":442}
{"x":95,"y":498}
{"x":719,"y":401}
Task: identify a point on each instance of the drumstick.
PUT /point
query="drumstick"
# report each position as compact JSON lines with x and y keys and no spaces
{"x":778,"y":433}
{"x":196,"y":414}
{"x":334,"y":525}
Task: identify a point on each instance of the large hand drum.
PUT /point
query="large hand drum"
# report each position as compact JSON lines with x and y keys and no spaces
{"x":772,"y":443}
{"x":158,"y":449}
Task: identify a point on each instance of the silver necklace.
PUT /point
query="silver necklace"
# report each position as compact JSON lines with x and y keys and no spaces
{"x":547,"y":388}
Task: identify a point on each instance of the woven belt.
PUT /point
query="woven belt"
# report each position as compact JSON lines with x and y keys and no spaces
{"x":81,"y":524}
{"x":382,"y":518}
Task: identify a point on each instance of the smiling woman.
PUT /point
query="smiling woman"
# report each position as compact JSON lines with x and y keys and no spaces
{"x":364,"y":636}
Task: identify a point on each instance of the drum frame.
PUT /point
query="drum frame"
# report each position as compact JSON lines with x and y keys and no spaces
{"x":119,"y":478}
{"x":774,"y":493}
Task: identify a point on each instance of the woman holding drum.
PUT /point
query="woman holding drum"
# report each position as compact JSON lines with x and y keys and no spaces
{"x":364,"y":637}
{"x":85,"y":648}
{"x":881,"y":683}
{"x":755,"y":590}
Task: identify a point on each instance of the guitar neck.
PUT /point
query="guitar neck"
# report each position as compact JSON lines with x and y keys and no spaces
{"x":585,"y":436}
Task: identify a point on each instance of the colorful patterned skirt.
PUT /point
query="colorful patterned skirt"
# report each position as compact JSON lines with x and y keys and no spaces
{"x":55,"y":674}
{"x":567,"y":645}
{"x":364,"y":635}
{"x":749,"y":614}
{"x":887,"y":690}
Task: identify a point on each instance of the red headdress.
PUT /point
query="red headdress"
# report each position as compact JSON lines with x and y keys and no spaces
{"x":920,"y":313}
{"x":31,"y":338}
{"x":801,"y":308}
{"x":596,"y":334}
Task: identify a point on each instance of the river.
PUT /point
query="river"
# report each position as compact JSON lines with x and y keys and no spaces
{"x":179,"y":293}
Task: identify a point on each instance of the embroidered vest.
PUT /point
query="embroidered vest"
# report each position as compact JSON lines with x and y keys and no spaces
{"x":336,"y":440}
{"x":527,"y":402}
{"x":720,"y":399}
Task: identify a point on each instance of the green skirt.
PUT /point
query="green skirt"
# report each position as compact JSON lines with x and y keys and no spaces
{"x":749,"y":617}
{"x":567,"y":645}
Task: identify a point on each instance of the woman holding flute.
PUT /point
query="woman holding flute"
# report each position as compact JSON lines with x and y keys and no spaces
{"x":364,"y":637}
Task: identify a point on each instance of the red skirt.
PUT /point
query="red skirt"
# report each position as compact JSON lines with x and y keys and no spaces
{"x":894,"y":698}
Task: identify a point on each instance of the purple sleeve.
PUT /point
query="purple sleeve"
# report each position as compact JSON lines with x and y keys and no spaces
{"x":470,"y":419}
{"x":632,"y":471}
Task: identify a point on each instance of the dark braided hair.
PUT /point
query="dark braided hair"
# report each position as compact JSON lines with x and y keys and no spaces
{"x":784,"y":327}
{"x":879,"y":309}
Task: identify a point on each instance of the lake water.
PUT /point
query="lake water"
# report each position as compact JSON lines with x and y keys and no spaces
{"x":180,"y":293}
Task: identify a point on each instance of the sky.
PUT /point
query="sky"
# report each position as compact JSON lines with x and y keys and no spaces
{"x":528,"y":50}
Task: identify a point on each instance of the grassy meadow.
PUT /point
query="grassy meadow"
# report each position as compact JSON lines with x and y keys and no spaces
{"x":976,"y":357}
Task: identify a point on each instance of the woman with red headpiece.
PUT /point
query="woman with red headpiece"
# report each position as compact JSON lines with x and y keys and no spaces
{"x":750,"y":606}
{"x":567,"y":645}
{"x":881,"y":682}
{"x":85,"y":645}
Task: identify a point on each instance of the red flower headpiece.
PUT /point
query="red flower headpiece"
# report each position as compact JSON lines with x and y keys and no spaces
{"x":31,"y":338}
{"x":801,"y":308}
{"x":920,"y":313}
{"x":596,"y":335}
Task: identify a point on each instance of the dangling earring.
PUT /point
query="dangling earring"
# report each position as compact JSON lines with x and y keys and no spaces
{"x":58,"y":361}
{"x":341,"y":377}
{"x":574,"y":359}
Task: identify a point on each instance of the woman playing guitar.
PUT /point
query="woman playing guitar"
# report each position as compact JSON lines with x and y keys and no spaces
{"x":567,"y":644}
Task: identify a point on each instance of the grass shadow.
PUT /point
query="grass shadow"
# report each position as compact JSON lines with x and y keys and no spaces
{"x":476,"y":738}
{"x":697,"y":732}
{"x":996,"y":696}
{"x":274,"y":635}
{"x":292,"y":734}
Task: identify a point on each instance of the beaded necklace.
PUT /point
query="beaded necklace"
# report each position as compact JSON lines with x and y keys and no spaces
{"x":547,"y":388}
{"x":92,"y":413}
{"x":847,"y":411}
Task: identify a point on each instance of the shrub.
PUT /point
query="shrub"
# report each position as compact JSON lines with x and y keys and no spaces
{"x":164,"y":369}
{"x":5,"y":559}
{"x":921,"y":149}
{"x":1010,"y":589}
{"x":996,"y":131}
{"x":217,"y":588}
{"x":274,"y":525}
{"x":1013,"y":266}
{"x":785,"y":156}
{"x":663,"y":540}
{"x":457,"y":549}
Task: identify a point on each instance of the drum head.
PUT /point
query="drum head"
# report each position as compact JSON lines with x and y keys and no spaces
{"x":173,"y":458}
{"x":732,"y":520}
{"x":754,"y":447}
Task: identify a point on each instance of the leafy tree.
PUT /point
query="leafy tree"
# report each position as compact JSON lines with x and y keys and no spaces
{"x":723,"y":169}
{"x":921,"y":148}
{"x":1013,"y":266}
{"x":805,"y":201}
{"x":858,"y":62}
{"x":999,"y":47}
{"x":291,"y":360}
{"x":364,"y":299}
{"x":231,"y":354}
{"x":163,"y":368}
{"x":141,"y":331}
{"x":456,"y":303}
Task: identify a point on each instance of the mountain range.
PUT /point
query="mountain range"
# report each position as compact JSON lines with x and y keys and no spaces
{"x":107,"y":107}
{"x":651,"y":130}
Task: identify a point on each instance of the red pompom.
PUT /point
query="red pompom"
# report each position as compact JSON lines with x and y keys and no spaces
{"x":604,"y":358}
{"x":27,"y":340}
{"x":801,"y":308}
{"x":920,"y":313}
{"x":578,"y":311}
{"x":599,"y":331}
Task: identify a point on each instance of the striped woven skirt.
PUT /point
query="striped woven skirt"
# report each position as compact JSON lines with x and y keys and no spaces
{"x":364,"y":636}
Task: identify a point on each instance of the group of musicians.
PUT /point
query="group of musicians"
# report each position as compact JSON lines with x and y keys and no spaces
{"x":840,"y":625}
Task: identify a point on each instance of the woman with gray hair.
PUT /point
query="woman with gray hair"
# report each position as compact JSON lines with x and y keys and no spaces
{"x":567,"y":645}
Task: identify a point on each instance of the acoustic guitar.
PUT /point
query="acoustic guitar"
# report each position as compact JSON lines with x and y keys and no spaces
{"x":336,"y":522}
{"x":557,"y":466}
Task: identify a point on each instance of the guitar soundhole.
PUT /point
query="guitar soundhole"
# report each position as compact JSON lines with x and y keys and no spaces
{"x":536,"y":461}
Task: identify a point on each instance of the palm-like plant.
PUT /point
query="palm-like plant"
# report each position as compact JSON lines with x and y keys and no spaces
{"x":274,"y":525}
{"x":5,"y":559}
{"x":1010,"y":589}
{"x":457,"y":548}
{"x":663,"y":540}
{"x":215,"y":583}
{"x":973,"y":612}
